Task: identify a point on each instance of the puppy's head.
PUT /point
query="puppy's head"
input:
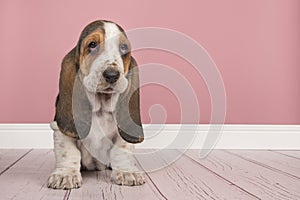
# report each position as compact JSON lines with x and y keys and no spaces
{"x":103,"y":53}
{"x":100,"y":63}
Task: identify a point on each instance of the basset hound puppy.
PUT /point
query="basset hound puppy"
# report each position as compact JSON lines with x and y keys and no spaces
{"x":97,"y":116}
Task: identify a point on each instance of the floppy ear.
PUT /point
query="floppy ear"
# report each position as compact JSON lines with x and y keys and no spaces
{"x":128,"y":108}
{"x":73,"y":109}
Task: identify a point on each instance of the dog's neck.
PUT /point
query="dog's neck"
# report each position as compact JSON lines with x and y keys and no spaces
{"x":102,"y":102}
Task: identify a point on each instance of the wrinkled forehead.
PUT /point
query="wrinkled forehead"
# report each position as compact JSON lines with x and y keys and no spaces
{"x":103,"y":30}
{"x":101,"y":41}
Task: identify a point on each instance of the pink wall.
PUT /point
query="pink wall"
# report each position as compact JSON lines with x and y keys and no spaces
{"x":255,"y":43}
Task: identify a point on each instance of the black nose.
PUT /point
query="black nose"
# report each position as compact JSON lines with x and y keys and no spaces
{"x":111,"y":75}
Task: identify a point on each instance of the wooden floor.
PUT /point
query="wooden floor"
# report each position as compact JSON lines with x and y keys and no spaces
{"x":235,"y":174}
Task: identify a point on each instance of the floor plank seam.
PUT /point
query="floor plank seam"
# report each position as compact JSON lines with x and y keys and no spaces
{"x":157,"y":189}
{"x":287,"y":155}
{"x":15,"y":162}
{"x":263,"y":165}
{"x":67,"y":195}
{"x":228,"y":181}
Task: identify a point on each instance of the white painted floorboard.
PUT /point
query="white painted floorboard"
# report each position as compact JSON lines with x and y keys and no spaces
{"x":234,"y":174}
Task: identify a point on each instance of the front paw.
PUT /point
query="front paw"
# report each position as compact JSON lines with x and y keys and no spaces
{"x":65,"y":179}
{"x":128,"y":178}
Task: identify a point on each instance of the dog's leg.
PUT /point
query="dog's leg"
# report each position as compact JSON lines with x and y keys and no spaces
{"x":124,"y":169}
{"x":67,"y":168}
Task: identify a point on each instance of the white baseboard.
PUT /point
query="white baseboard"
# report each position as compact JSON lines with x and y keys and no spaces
{"x":160,"y":136}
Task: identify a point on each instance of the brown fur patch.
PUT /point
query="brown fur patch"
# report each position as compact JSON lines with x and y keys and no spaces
{"x":130,"y":132}
{"x":126,"y":58}
{"x":86,"y":56}
{"x":64,"y":154}
{"x":64,"y":116}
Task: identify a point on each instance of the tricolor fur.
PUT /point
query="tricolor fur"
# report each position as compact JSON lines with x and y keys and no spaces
{"x":97,"y":110}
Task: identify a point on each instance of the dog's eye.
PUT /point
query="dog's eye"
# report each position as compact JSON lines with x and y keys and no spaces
{"x":92,"y":45}
{"x":123,"y":48}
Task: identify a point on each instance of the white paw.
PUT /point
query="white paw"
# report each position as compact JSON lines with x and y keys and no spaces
{"x":65,"y":179}
{"x":128,"y":178}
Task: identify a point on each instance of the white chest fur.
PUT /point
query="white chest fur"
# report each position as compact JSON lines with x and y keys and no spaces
{"x":96,"y":146}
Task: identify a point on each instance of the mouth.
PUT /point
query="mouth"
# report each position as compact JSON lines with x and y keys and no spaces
{"x":108,"y":90}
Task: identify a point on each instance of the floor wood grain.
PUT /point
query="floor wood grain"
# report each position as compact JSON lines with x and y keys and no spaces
{"x":186,"y":179}
{"x":273,"y":160}
{"x":292,"y":154}
{"x":262,"y":182}
{"x":8,"y":157}
{"x":27,"y":178}
{"x":98,"y":184}
{"x":230,"y":174}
